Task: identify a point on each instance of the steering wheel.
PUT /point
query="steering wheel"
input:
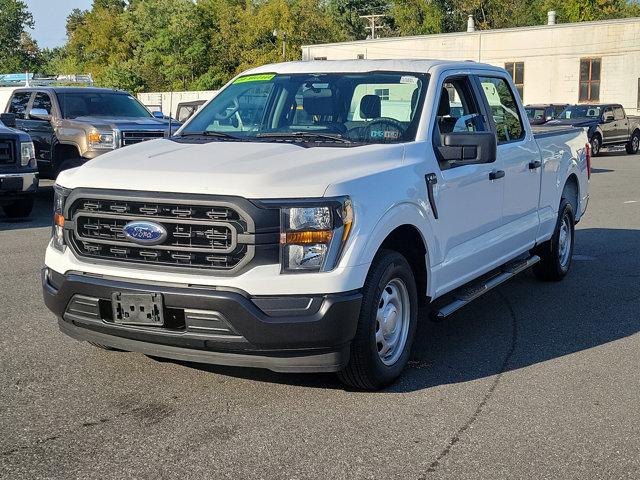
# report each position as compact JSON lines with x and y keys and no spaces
{"x":229,"y":110}
{"x":383,"y":130}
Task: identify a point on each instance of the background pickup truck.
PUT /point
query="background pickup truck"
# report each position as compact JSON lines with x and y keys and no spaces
{"x":70,"y":125}
{"x":18,"y":169}
{"x":300,"y":217}
{"x":608,"y":125}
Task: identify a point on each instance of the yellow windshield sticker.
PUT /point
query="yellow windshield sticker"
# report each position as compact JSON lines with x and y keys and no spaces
{"x":263,"y":77}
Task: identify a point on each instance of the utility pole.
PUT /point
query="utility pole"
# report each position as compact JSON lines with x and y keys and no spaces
{"x":283,"y":35}
{"x":372,"y":23}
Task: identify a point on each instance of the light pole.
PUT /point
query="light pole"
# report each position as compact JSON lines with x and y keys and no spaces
{"x":283,"y":35}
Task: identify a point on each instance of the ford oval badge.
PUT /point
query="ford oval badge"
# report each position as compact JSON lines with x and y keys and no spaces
{"x":145,"y":233}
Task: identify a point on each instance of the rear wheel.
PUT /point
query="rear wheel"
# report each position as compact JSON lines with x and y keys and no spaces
{"x":634,"y":144}
{"x":386,"y":326}
{"x":596,"y":145}
{"x":19,"y":208}
{"x":556,"y":254}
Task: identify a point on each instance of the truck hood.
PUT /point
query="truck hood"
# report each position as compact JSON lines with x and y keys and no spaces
{"x":123,"y":123}
{"x":246,"y":169}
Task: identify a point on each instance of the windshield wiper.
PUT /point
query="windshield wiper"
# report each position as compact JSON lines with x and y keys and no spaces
{"x":336,"y":137}
{"x":209,"y":133}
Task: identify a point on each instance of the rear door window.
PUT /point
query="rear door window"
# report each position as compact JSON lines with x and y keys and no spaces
{"x":18,"y":104}
{"x":618,"y":113}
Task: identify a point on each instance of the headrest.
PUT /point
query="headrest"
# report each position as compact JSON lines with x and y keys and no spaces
{"x":370,"y":106}
{"x":444,"y":108}
{"x":318,"y":102}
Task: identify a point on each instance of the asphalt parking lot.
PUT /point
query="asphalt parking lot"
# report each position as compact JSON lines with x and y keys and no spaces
{"x":532,"y":381}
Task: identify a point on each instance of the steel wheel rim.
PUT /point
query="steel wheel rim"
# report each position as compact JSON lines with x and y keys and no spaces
{"x":595,"y":145}
{"x":392,"y":321}
{"x":635,"y":143}
{"x":564,"y":242}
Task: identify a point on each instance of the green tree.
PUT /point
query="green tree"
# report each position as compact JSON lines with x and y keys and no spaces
{"x":18,"y":51}
{"x":418,"y":17}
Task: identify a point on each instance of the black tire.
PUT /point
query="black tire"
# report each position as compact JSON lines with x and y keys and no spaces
{"x":552,"y":266}
{"x":366,"y":369}
{"x":105,"y":347}
{"x":19,"y":208}
{"x":633,"y":145}
{"x":596,"y":145}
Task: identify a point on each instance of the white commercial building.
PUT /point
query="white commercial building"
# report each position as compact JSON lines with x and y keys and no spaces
{"x":555,"y":63}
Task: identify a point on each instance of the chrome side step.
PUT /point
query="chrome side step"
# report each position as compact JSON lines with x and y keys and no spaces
{"x":468,"y":294}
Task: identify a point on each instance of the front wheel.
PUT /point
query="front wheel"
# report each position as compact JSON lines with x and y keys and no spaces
{"x":556,"y":254}
{"x":386,"y":326}
{"x":634,"y":144}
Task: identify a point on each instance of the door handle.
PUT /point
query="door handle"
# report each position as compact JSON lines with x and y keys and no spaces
{"x":534,"y":165}
{"x":431,"y":180}
{"x":496,"y":175}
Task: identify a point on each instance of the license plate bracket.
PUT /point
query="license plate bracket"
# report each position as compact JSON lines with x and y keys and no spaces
{"x":137,"y":309}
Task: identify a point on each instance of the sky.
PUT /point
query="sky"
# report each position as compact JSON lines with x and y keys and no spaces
{"x":50,"y":17}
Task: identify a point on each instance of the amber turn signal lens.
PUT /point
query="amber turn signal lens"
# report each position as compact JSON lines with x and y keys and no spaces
{"x":306,"y":238}
{"x":58,"y":220}
{"x":94,"y":137}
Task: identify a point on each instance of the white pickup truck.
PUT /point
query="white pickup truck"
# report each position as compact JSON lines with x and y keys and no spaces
{"x":300,"y":218}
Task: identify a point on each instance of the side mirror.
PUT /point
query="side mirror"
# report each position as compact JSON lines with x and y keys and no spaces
{"x":39,"y":114}
{"x":9,"y":119}
{"x":158,"y":114}
{"x":466,"y":148}
{"x":608,"y":117}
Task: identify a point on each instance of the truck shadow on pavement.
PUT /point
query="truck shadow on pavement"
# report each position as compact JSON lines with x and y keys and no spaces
{"x":522,"y":323}
{"x":41,"y":216}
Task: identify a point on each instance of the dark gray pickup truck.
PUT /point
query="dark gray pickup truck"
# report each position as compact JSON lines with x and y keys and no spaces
{"x":70,"y":125}
{"x":608,"y":125}
{"x":18,"y":169}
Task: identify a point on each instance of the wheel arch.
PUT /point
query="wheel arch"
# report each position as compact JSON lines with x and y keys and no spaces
{"x":407,"y":230}
{"x":572,"y":189}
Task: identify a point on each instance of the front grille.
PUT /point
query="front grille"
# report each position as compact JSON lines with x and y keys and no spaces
{"x":132,"y":137}
{"x":201,"y":236}
{"x":7,"y":156}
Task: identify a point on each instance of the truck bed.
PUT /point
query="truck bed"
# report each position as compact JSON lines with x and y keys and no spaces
{"x":541,"y":131}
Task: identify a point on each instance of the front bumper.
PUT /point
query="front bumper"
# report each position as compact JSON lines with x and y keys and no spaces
{"x":18,"y":184}
{"x":218,"y":326}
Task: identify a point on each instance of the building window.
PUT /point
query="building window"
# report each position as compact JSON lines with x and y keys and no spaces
{"x":516,"y":70}
{"x":383,"y":93}
{"x":589,"y":80}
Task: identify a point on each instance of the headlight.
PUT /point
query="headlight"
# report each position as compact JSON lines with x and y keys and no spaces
{"x":60,"y":195}
{"x":27,"y":153}
{"x":313,"y":236}
{"x":101,"y":140}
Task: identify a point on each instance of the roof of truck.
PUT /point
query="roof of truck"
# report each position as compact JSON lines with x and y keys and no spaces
{"x":70,"y":90}
{"x":356,"y":66}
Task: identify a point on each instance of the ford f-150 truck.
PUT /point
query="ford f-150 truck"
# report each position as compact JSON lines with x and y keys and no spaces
{"x":299,"y":219}
{"x":18,"y":169}
{"x":608,"y":125}
{"x":70,"y":125}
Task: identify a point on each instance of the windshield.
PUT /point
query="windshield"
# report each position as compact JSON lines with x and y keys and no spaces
{"x":373,"y":107}
{"x":100,"y":104}
{"x":580,"y":111}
